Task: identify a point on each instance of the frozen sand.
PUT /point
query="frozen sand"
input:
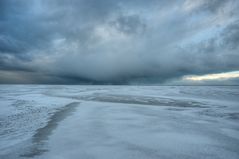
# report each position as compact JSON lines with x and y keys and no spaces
{"x":122,"y":122}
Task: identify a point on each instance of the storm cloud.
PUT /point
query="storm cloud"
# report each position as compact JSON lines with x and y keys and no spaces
{"x":116,"y":41}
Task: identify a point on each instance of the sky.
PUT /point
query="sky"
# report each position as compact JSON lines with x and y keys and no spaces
{"x":119,"y":42}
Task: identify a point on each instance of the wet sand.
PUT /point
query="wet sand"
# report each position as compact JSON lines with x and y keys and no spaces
{"x":42,"y":134}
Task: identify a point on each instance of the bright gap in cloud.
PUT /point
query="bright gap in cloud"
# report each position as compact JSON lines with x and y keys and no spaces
{"x":218,"y":76}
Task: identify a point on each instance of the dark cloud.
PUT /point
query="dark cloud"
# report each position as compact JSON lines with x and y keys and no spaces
{"x":231,"y":35}
{"x":131,"y":24}
{"x":213,"y":5}
{"x":116,"y":41}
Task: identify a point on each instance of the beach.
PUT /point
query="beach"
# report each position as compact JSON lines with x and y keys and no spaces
{"x":115,"y":122}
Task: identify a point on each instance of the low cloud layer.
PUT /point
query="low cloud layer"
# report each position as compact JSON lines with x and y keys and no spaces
{"x":116,"y":41}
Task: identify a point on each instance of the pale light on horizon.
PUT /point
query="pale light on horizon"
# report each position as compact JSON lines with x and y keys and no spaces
{"x":218,"y":76}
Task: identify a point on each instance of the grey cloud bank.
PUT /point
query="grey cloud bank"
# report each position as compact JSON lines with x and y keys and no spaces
{"x":116,"y":41}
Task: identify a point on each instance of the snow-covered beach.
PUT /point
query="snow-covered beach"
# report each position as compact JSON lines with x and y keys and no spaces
{"x":115,"y":122}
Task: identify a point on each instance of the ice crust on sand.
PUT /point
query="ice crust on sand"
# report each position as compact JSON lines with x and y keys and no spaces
{"x":149,"y":122}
